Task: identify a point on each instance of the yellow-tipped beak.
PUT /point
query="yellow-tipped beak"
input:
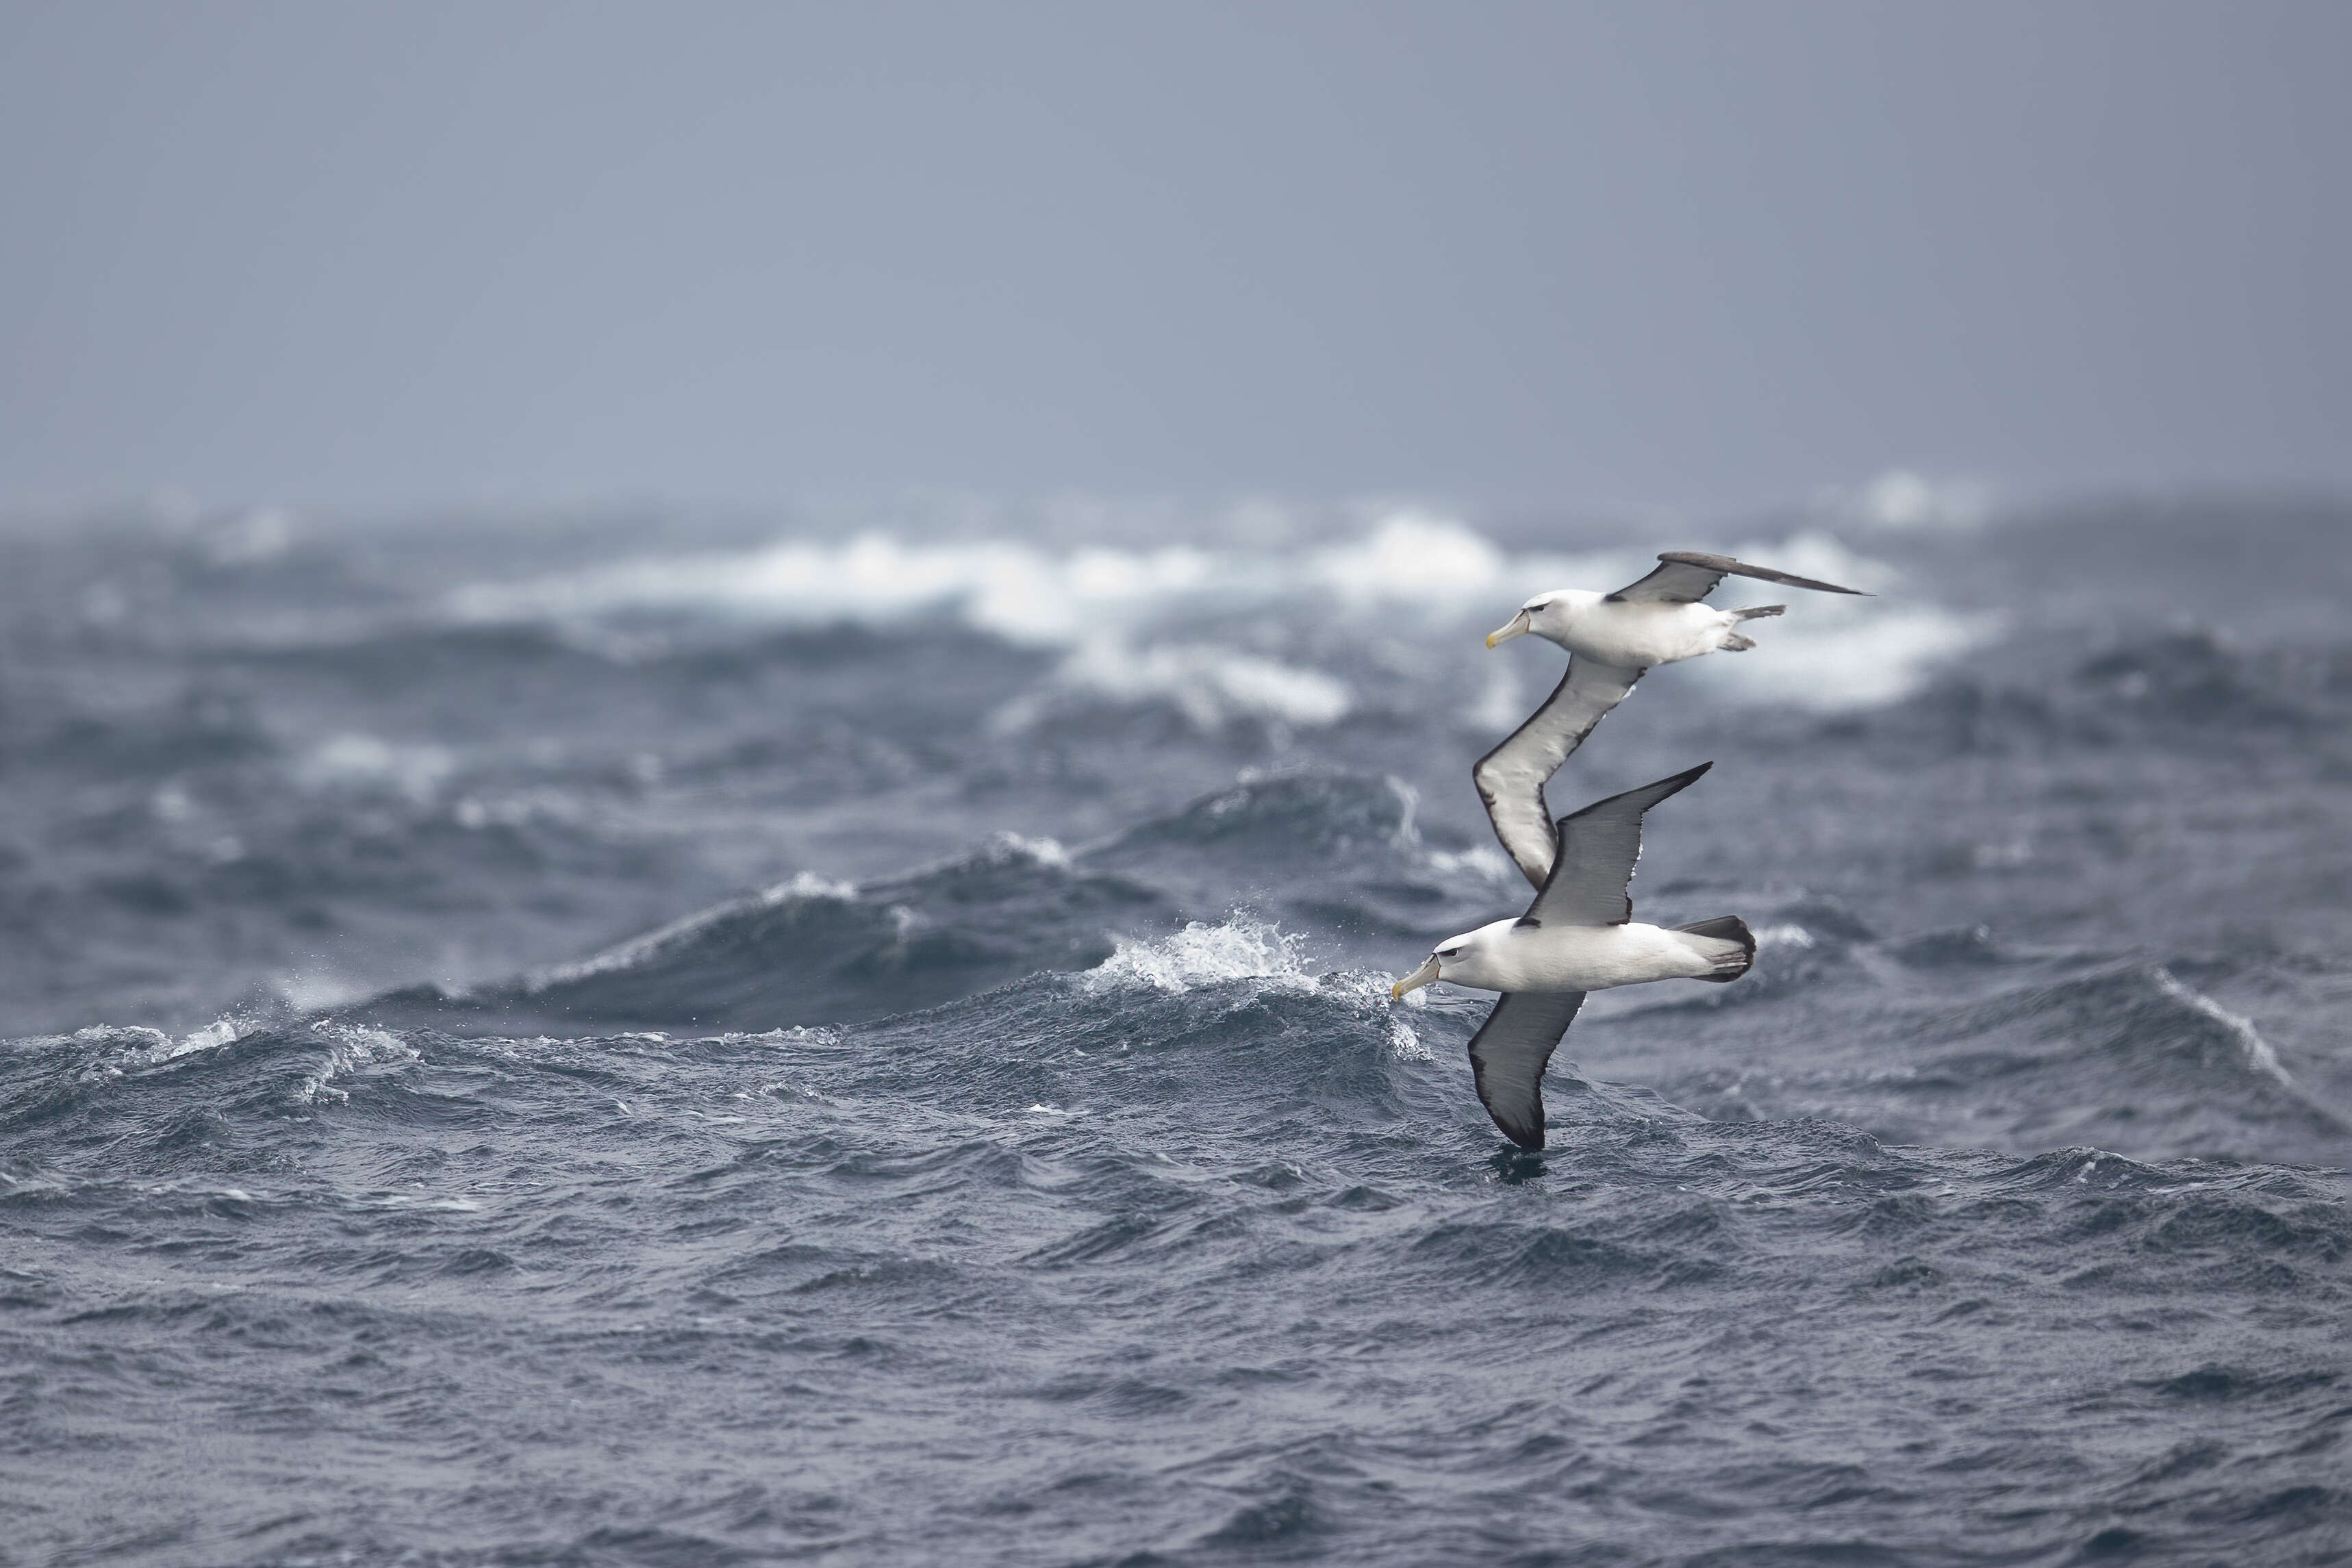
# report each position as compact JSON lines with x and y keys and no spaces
{"x":1516,"y":627}
{"x":1415,"y":981}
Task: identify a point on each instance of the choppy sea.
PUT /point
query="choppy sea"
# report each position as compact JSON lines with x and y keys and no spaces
{"x":862,"y":1037}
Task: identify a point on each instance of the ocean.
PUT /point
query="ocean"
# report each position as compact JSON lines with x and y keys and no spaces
{"x":861,"y":1034}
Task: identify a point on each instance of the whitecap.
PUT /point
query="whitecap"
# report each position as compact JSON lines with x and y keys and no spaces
{"x":2256,"y":1051}
{"x":1004,"y":848}
{"x":1905,"y":499}
{"x":349,"y":1045}
{"x":1412,"y":556}
{"x":226,"y":1029}
{"x":1404,"y":1041}
{"x":1209,"y":685}
{"x":637,"y":950}
{"x":368,"y":764}
{"x":1845,"y":653}
{"x":1240,"y":948}
{"x":1157,"y":625}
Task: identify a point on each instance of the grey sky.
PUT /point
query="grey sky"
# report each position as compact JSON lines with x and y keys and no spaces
{"x":377,"y":254}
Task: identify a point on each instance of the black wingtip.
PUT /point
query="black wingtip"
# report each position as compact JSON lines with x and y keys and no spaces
{"x":1527,"y":1134}
{"x":1656,"y":789}
{"x":1725,"y":563}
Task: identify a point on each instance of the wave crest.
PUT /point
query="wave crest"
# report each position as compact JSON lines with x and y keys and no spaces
{"x":1241,"y":948}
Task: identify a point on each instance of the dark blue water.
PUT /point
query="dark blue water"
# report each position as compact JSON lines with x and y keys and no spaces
{"x":866,"y":1039}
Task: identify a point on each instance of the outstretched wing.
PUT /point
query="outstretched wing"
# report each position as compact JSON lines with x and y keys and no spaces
{"x":1598,"y":847}
{"x":1509,"y":1055}
{"x":1511,"y":777}
{"x":1686,"y":576}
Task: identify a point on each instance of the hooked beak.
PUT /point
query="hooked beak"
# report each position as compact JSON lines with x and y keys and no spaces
{"x":1420,"y":977}
{"x":1516,"y":627}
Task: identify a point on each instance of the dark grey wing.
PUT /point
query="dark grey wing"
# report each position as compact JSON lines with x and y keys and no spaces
{"x":1686,"y":576}
{"x":1511,"y":777}
{"x":1598,"y":847}
{"x":1509,"y":1055}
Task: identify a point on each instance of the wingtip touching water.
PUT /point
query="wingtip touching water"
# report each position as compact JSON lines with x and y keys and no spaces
{"x":1577,"y":936}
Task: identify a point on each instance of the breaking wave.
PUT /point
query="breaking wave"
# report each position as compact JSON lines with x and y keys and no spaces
{"x":1131,"y":619}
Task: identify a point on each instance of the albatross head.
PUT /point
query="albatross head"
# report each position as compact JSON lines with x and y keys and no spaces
{"x":1548,"y":615}
{"x":1452,"y":954}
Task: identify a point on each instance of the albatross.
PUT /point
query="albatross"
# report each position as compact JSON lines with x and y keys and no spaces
{"x":1579,"y":935}
{"x":1613,"y":639}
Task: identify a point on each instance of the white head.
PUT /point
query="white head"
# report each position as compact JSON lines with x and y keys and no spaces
{"x":1548,"y":615}
{"x":1465,"y":960}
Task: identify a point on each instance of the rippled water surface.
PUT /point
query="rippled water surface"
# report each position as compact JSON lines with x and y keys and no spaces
{"x":866,"y":1039}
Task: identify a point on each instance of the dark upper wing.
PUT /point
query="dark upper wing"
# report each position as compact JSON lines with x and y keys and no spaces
{"x":1511,"y":778}
{"x":1509,"y":1055}
{"x":1598,"y":847}
{"x":1686,"y":576}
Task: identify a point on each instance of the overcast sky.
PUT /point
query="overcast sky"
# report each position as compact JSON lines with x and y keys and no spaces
{"x":374,"y":256}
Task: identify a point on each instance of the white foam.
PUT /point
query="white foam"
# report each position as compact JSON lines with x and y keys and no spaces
{"x":1900,"y":498}
{"x":314,"y":990}
{"x":1004,"y":847}
{"x":809,"y":885}
{"x":798,"y":1035}
{"x":1019,"y":591}
{"x":254,"y":538}
{"x":1042,"y":597}
{"x":1210,"y":686}
{"x":421,"y":1202}
{"x":1405,"y":1044}
{"x":349,"y":1045}
{"x":1138,"y":625}
{"x":1412,"y":556}
{"x":2256,"y":1051}
{"x":137,"y":1046}
{"x":475,"y":812}
{"x":1500,"y":708}
{"x":1240,"y":948}
{"x":134,"y":1036}
{"x":368,"y":764}
{"x":225,"y":1030}
{"x":637,"y":949}
{"x":1843,"y":659}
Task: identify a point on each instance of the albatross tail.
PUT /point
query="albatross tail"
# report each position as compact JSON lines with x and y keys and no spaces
{"x":1725,"y":941}
{"x":1740,"y":642}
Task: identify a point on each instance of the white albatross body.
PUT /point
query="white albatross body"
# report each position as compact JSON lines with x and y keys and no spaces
{"x":1612,"y":640}
{"x":1510,"y":955}
{"x":1579,"y":935}
{"x":1631,"y":634}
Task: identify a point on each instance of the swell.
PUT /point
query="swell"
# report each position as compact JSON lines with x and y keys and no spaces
{"x":1338,"y":852}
